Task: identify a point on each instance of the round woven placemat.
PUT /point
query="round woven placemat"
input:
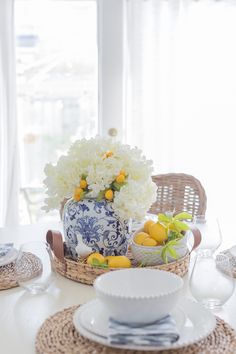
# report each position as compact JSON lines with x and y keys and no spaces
{"x":32,"y":266}
{"x":86,"y":274}
{"x":58,"y":335}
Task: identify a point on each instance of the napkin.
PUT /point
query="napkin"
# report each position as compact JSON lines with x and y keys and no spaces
{"x":162,"y":332}
{"x":5,"y":249}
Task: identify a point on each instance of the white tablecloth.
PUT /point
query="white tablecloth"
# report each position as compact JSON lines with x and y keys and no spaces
{"x":21,"y":314}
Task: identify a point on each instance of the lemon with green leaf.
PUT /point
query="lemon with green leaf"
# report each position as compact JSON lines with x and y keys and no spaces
{"x":95,"y":259}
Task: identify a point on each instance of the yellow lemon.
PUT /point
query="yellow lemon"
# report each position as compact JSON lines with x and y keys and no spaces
{"x":149,"y":242}
{"x":122,"y":172}
{"x":140,"y":237}
{"x":147,"y":225}
{"x":77,"y":197}
{"x":158,"y":232}
{"x":120,"y":178}
{"x":95,"y":257}
{"x":83,"y":183}
{"x":119,"y":262}
{"x":107,"y":154}
{"x":109,"y":194}
{"x":77,"y":193}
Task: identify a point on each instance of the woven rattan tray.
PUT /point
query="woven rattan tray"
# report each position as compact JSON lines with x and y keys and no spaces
{"x":58,"y":335}
{"x":86,"y":274}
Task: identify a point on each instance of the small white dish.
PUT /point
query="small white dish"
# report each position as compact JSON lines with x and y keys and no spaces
{"x":9,"y":258}
{"x":91,"y":321}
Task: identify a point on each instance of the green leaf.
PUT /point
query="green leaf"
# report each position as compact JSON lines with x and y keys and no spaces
{"x":172,"y":252}
{"x":173,"y":235}
{"x":183,"y":216}
{"x":173,"y":242}
{"x":178,"y":235}
{"x":96,"y":263}
{"x":164,"y":218}
{"x":164,"y":255}
{"x":117,"y":186}
{"x":82,"y":195}
{"x":100,"y":195}
{"x":181,"y":226}
{"x":84,"y":176}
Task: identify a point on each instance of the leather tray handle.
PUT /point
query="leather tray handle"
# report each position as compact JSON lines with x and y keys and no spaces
{"x":55,"y":240}
{"x":197,"y":236}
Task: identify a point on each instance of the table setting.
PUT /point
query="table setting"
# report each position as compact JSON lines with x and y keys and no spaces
{"x":116,"y":321}
{"x":158,"y":281}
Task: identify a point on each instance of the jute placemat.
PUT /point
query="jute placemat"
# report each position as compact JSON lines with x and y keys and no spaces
{"x":58,"y":335}
{"x":31,"y":267}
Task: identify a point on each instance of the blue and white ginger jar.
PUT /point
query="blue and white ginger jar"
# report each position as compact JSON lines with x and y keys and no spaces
{"x":95,"y":224}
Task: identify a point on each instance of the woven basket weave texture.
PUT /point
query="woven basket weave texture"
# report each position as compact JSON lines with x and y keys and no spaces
{"x":179,"y":192}
{"x":58,"y":335}
{"x":86,"y":274}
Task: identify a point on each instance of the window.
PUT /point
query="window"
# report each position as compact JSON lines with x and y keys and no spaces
{"x":182,"y":88}
{"x":57,"y":80}
{"x":166,"y":83}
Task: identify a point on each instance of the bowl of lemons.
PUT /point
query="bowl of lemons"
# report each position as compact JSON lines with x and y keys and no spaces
{"x":161,"y":241}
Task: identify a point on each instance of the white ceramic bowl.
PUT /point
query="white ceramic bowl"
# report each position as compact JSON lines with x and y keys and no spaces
{"x":147,"y":255}
{"x":138,"y":294}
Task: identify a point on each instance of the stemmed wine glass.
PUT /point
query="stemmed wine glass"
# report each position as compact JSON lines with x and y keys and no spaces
{"x":211,"y":232}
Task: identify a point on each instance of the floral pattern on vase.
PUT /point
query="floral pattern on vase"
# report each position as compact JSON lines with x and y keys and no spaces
{"x":95,"y":224}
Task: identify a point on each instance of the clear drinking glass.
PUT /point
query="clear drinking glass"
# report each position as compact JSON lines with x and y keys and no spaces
{"x":34,"y":267}
{"x":210,"y":231}
{"x":211,"y":281}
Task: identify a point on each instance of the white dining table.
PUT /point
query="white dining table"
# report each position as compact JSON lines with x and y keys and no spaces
{"x":22,"y":314}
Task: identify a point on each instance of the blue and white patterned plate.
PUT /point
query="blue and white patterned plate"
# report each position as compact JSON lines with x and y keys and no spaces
{"x":8,"y":254}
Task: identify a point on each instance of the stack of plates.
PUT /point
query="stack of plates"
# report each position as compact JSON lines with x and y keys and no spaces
{"x":193,"y":322}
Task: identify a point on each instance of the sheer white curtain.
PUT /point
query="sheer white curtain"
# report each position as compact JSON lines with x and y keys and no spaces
{"x":182,"y":90}
{"x":8,"y":132}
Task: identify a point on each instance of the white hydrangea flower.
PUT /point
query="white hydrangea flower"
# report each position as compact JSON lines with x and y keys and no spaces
{"x":86,"y":157}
